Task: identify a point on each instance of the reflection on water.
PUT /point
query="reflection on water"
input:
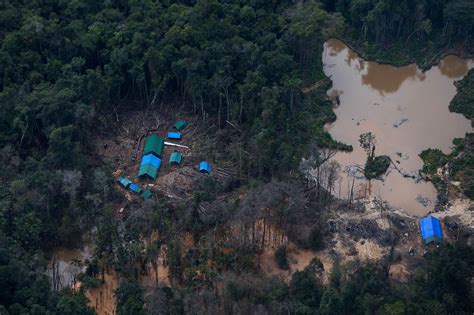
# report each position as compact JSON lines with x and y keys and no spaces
{"x":66,"y":264}
{"x":454,"y":67}
{"x":388,"y":79}
{"x":406,"y":110}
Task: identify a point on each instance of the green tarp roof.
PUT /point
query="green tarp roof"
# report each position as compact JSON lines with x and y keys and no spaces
{"x":146,"y":194}
{"x":148,"y":170}
{"x":175,"y":158}
{"x":154,"y":144}
{"x":125,"y":182}
{"x":180,"y":124}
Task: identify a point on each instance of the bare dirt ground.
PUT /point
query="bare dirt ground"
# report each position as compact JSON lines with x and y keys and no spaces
{"x":399,"y":272}
{"x":102,"y":298}
{"x":298,"y":260}
{"x":461,"y":209}
{"x":123,"y":149}
{"x":368,"y":231}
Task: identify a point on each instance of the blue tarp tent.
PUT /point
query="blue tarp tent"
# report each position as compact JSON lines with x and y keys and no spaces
{"x":149,"y":166}
{"x":431,"y":230}
{"x":174,"y":135}
{"x":134,"y":187}
{"x":204,"y":167}
{"x":151,"y":159}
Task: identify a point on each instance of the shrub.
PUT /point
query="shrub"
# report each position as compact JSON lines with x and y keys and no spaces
{"x":376,"y":166}
{"x":315,"y":239}
{"x":281,"y":258}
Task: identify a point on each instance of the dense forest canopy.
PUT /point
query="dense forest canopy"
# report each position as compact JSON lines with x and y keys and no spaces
{"x":388,"y":21}
{"x":68,"y":67}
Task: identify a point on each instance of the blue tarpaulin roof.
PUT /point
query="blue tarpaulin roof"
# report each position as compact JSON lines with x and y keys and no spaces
{"x":431,"y":229}
{"x":174,"y":135}
{"x":204,"y":167}
{"x":151,"y":159}
{"x":134,"y":187}
{"x":149,"y":166}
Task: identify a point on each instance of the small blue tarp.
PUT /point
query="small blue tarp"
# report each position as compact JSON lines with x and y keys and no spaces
{"x":431,"y":230}
{"x":174,"y":135}
{"x":134,"y":187}
{"x":204,"y":167}
{"x":152,"y":160}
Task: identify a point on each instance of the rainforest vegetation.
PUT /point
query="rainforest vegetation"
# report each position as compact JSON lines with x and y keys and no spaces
{"x":460,"y":162}
{"x":68,"y":68}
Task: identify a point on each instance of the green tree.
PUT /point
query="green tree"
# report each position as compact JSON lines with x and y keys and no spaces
{"x":335,"y":275}
{"x":281,"y":257}
{"x":306,"y":290}
{"x":331,"y":303}
{"x":71,"y":303}
{"x":130,"y":298}
{"x":396,"y":308}
{"x":315,"y":238}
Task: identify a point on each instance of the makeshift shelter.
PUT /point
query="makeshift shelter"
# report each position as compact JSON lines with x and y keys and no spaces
{"x":151,"y":159}
{"x":431,"y":230}
{"x":125,"y":182}
{"x":134,"y":187}
{"x":146,"y":194}
{"x":174,"y":135}
{"x":180,"y":124}
{"x":204,"y":167}
{"x":149,"y":166}
{"x":175,"y":158}
{"x":147,"y":170}
{"x":154,"y":145}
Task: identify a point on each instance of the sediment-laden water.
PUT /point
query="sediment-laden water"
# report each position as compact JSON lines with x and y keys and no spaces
{"x":405,"y":109}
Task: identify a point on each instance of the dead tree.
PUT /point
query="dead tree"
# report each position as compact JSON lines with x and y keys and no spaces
{"x":56,"y":281}
{"x":313,"y":167}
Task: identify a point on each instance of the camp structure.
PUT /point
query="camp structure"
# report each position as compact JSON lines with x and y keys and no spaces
{"x":135,"y":188}
{"x":431,"y":230}
{"x":154,"y":145}
{"x":204,"y":167}
{"x":149,"y":166}
{"x":175,"y":158}
{"x":174,"y":135}
{"x":146,"y":194}
{"x":125,"y":182}
{"x":180,"y":124}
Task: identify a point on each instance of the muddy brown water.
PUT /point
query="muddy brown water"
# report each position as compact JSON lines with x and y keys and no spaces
{"x":405,"y":109}
{"x":66,"y":264}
